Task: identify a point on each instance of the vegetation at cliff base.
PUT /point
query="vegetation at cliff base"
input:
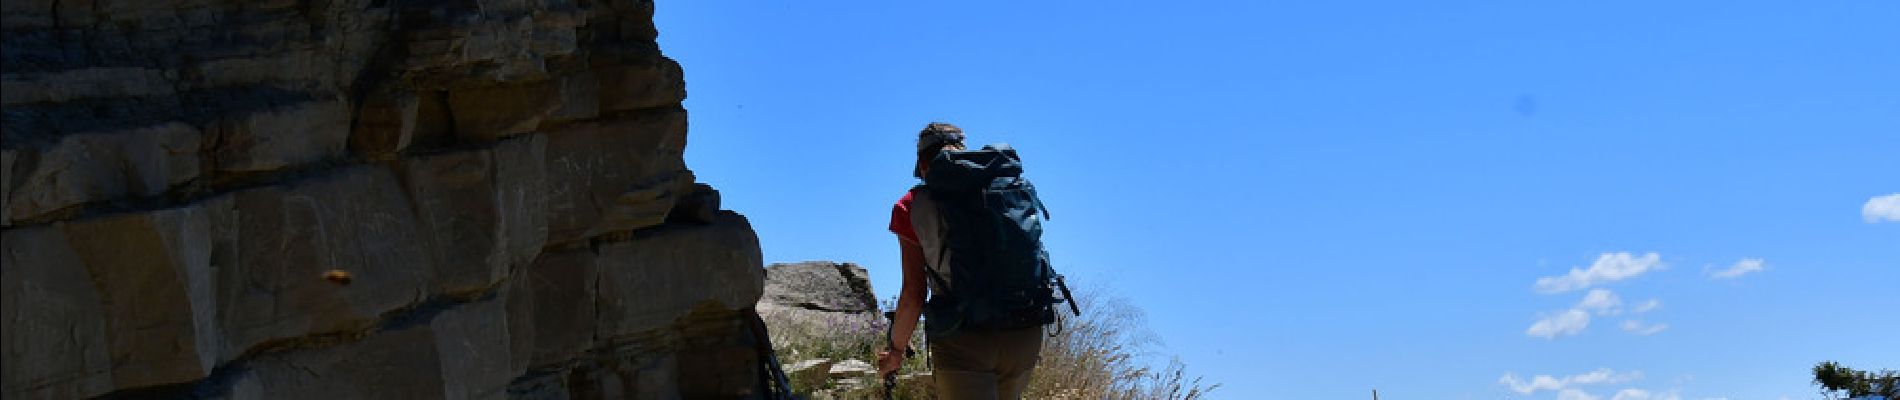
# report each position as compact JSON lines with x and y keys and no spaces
{"x":1106,"y":353}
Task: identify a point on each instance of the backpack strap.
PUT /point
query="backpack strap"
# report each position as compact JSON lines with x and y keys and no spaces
{"x":943,"y":246}
{"x":1037,"y":198}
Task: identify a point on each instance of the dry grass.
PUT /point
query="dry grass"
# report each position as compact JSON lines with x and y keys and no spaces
{"x":1104,"y":354}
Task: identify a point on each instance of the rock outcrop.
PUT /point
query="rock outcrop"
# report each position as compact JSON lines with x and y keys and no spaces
{"x":826,"y":324}
{"x":502,"y":182}
{"x":819,"y":299}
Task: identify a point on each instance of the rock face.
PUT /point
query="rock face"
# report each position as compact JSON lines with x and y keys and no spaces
{"x":819,"y":299}
{"x":503,"y":181}
{"x":829,"y":311}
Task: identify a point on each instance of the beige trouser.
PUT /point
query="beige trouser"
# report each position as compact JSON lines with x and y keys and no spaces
{"x":985,"y":365}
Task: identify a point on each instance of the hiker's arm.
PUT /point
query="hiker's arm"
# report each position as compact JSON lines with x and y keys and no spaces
{"x":910,"y":300}
{"x":910,"y":303}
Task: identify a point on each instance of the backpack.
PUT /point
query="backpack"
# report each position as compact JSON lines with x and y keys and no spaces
{"x":1001,"y":272}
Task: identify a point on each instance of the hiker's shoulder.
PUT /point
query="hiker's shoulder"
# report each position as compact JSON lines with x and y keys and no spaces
{"x":906,"y":203}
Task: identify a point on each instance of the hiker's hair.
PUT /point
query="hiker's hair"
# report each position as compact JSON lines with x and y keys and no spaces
{"x":925,"y":150}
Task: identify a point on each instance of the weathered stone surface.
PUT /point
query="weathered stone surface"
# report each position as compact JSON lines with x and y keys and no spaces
{"x":518,"y":303}
{"x":438,"y":351}
{"x":717,"y":345}
{"x":87,"y":83}
{"x":640,"y":83}
{"x":385,"y":124}
{"x":307,"y":67}
{"x":580,"y":97}
{"x":658,"y":277}
{"x":643,"y":375}
{"x":293,"y":135}
{"x":615,"y":175}
{"x":819,"y":300}
{"x":400,"y":364}
{"x":7,"y":157}
{"x":488,"y":113}
{"x":434,"y":126}
{"x":455,"y":198}
{"x":701,"y":206}
{"x":521,"y":188}
{"x":851,"y":368}
{"x":55,"y":326}
{"x":560,"y":305}
{"x":88,"y":168}
{"x":471,"y":341}
{"x":485,"y":210}
{"x":27,"y":14}
{"x":540,"y":386}
{"x":820,"y":286}
{"x":355,"y":220}
{"x":500,"y":185}
{"x":153,"y":272}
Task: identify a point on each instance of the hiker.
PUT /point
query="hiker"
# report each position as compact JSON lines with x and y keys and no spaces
{"x":986,"y":309}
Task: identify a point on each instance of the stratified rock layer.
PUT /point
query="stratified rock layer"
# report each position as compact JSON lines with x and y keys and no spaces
{"x":501,"y":180}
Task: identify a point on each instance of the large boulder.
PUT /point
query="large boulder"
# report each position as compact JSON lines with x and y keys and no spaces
{"x":819,"y":299}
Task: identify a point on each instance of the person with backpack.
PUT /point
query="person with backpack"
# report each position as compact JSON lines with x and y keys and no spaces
{"x":970,"y":238}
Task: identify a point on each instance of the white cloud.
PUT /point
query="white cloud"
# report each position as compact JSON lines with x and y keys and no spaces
{"x":1881,"y":208}
{"x":1574,"y":394}
{"x":1640,"y":328}
{"x":1540,"y":382}
{"x":1639,"y":394}
{"x":1609,"y":267}
{"x":1743,"y":267}
{"x":1631,"y":394}
{"x":1601,"y":301}
{"x":1648,"y":306}
{"x":1568,"y":322}
{"x":1547,"y":382}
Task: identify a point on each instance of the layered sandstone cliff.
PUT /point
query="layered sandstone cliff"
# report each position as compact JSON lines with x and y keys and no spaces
{"x":502,"y":181}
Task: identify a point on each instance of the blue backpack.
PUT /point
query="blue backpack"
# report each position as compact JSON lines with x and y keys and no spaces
{"x":992,"y":217}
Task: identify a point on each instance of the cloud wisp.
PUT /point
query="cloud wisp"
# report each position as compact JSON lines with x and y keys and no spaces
{"x":1609,"y":267}
{"x":1638,"y":327}
{"x":1639,"y":394}
{"x":1598,"y":302}
{"x":1881,"y":208}
{"x":1601,"y":376}
{"x":1743,"y":267}
{"x":1566,"y":323}
{"x":1602,"y":302}
{"x":1576,"y":387}
{"x":1648,"y":306}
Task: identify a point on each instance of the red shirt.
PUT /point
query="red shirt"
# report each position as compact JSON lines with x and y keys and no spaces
{"x":900,"y":219}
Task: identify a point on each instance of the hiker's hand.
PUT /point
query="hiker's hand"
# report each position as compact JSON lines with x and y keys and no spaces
{"x":888,"y":362}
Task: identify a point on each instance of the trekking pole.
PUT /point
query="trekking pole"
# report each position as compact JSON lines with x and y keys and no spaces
{"x":1061,"y":283}
{"x":762,"y":343}
{"x":890,"y":338}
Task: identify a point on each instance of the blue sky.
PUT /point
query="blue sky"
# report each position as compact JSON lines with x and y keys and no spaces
{"x":1316,"y":199}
